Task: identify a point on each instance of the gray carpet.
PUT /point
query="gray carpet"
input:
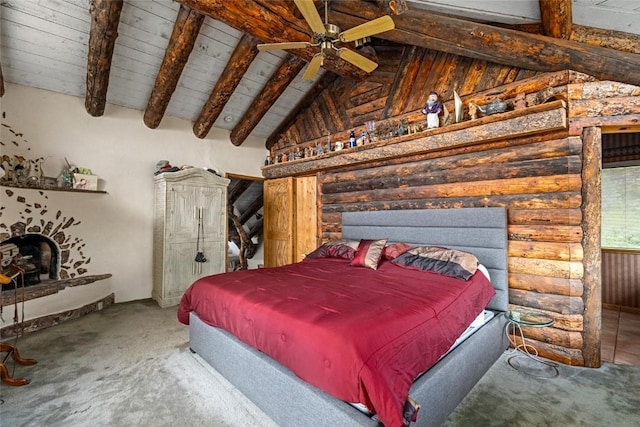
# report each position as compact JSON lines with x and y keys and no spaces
{"x":129,"y":365}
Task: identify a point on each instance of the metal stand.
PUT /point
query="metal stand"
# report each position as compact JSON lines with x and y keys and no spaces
{"x":524,"y":352}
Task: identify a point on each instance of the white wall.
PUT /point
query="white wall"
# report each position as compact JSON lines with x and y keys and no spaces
{"x":115,"y":227}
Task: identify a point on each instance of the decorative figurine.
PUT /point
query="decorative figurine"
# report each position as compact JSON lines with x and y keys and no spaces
{"x":459,"y":110}
{"x":519,"y":102}
{"x":473,"y":111}
{"x":432,"y":109}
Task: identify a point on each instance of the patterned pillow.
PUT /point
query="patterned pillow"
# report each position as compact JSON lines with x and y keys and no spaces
{"x":394,"y":250}
{"x":345,"y":249}
{"x":369,"y":253}
{"x":450,"y":262}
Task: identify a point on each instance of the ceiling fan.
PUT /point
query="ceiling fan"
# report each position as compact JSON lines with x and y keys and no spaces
{"x":326,"y":36}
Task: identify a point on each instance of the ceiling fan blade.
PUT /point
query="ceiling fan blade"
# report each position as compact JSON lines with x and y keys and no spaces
{"x":379,"y":25}
{"x":287,"y":45}
{"x":313,"y":67}
{"x":356,"y":59}
{"x":311,"y":15}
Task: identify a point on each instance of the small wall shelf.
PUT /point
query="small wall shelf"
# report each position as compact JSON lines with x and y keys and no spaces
{"x":68,"y":190}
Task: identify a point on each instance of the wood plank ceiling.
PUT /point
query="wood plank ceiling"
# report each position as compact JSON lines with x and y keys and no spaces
{"x":197,"y":59}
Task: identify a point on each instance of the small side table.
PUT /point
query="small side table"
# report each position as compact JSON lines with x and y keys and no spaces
{"x":515,"y":321}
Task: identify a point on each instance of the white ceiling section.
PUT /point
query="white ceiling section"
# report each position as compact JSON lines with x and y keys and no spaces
{"x":44,"y":44}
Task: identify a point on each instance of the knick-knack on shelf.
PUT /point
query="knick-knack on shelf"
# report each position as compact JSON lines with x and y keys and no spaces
{"x":432,"y":109}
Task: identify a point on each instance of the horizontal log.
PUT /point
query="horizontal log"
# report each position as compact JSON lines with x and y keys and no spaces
{"x":613,"y":124}
{"x":365,"y":108}
{"x":619,"y":106}
{"x":567,"y":322}
{"x":618,"y":40}
{"x":562,"y":251}
{"x":557,"y":353}
{"x":528,"y":201}
{"x":545,"y":267}
{"x":550,"y":302}
{"x":601,"y":90}
{"x":550,"y":335}
{"x":550,"y":184}
{"x":546,"y":284}
{"x":508,"y":151}
{"x":545,"y":216}
{"x":546,"y":233}
{"x":441,"y":171}
{"x":516,"y":124}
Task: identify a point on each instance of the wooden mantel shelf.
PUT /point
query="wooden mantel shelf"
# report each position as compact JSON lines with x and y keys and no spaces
{"x":518,"y":123}
{"x":47,"y":287}
{"x":28,"y":187}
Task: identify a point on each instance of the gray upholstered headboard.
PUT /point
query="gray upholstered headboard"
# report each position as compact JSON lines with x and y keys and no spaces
{"x":481,"y":231}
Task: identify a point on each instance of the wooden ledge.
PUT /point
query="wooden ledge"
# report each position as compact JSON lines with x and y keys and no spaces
{"x":512,"y":124}
{"x":68,"y":190}
{"x":46,"y":287}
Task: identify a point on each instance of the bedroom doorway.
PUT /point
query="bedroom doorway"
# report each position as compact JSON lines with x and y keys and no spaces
{"x":620,"y":242}
{"x":245,"y":208}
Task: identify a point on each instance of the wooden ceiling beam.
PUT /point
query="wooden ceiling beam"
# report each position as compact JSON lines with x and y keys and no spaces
{"x":183,"y":37}
{"x":252,"y":209}
{"x":238,"y":190}
{"x":396,"y":7}
{"x":105,"y":17}
{"x":256,"y":229}
{"x":310,"y":96}
{"x":241,"y":58}
{"x":1,"y":83}
{"x":556,"y":18}
{"x":495,"y":44}
{"x":278,"y":83}
{"x":617,"y":40}
{"x":252,"y":18}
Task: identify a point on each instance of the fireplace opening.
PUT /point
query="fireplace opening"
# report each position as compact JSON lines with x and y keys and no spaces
{"x":36,"y":254}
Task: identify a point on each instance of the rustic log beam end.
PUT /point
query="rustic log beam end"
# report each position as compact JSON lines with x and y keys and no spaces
{"x":105,"y":17}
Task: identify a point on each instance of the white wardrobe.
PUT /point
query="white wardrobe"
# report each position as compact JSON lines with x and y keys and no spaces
{"x":190,"y":223}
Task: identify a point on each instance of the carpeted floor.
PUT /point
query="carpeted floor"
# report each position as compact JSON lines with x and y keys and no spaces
{"x":129,"y":365}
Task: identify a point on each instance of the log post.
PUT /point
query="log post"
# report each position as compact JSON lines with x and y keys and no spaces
{"x":592,"y":218}
{"x":556,"y":18}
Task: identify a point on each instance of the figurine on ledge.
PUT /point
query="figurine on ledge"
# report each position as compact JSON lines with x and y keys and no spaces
{"x":432,"y":109}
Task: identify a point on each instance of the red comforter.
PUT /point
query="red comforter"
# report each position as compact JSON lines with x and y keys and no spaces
{"x":361,"y":335}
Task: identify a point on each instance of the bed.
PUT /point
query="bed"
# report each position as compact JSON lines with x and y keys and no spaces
{"x":290,"y":401}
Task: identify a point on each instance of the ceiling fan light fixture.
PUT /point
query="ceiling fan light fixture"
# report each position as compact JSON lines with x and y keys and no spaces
{"x":360,"y":43}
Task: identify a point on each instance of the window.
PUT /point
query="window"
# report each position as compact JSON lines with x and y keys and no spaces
{"x":621,"y":208}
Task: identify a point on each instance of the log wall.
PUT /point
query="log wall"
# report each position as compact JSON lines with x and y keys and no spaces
{"x":542,"y":163}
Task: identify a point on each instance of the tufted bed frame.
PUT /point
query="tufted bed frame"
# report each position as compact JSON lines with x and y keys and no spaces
{"x":290,"y":401}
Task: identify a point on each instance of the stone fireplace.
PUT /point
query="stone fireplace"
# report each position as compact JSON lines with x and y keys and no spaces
{"x":37,"y":255}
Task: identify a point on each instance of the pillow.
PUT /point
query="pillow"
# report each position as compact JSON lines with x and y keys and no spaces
{"x":450,"y":262}
{"x":394,"y":250}
{"x":369,"y":253}
{"x":345,"y":249}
